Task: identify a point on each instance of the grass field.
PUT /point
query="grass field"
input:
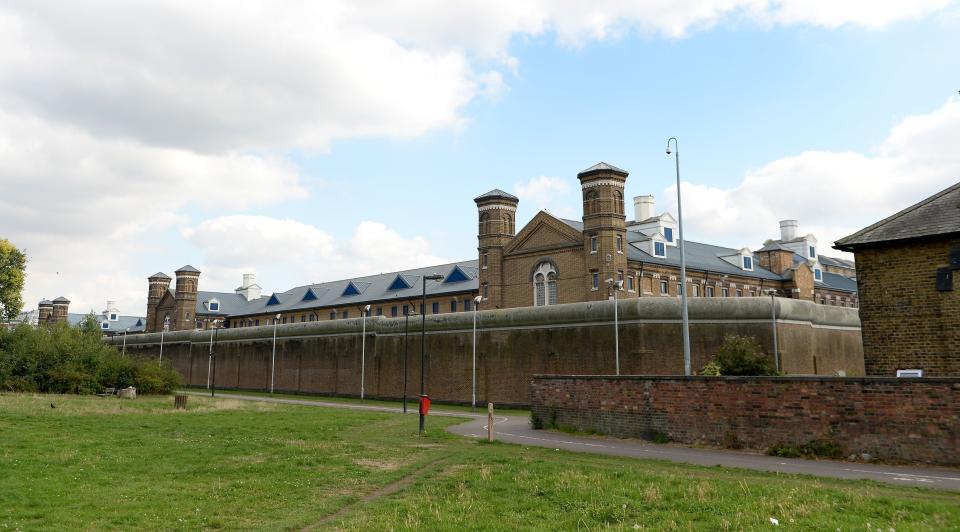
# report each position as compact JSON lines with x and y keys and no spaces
{"x":95,"y":463}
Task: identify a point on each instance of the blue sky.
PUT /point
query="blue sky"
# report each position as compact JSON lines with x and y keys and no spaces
{"x":305,"y":153}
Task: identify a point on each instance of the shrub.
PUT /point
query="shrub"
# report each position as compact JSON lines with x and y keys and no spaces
{"x":63,"y":359}
{"x":741,"y":355}
{"x":711,"y":369}
{"x":820,"y":448}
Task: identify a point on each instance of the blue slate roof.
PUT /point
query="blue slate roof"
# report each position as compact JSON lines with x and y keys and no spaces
{"x":135,"y":323}
{"x":372,"y":288}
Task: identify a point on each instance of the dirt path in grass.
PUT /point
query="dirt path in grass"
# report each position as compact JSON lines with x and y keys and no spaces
{"x":516,"y":429}
{"x":389,"y":489}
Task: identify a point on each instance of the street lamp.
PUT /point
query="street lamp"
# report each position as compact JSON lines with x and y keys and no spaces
{"x":683,"y":263}
{"x":363,"y":348}
{"x":616,"y":286}
{"x":476,"y":307}
{"x":423,"y":342}
{"x":273,"y":357}
{"x":212,"y":364}
{"x":124,"y":352}
{"x":773,"y":325}
{"x":166,"y":325}
{"x":406,"y":332}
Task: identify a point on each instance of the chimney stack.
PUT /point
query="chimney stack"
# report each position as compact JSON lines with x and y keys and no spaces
{"x":643,"y":207}
{"x":788,"y":230}
{"x":248,"y":279}
{"x":249,"y":288}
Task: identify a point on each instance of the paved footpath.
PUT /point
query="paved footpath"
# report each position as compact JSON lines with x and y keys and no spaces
{"x":516,"y":429}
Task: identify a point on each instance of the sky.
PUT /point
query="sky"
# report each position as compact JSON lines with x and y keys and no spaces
{"x":315,"y":141}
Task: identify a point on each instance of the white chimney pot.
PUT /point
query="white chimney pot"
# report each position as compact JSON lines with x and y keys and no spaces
{"x":643,"y":207}
{"x":788,"y":229}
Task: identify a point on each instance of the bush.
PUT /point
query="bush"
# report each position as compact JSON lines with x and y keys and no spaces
{"x":821,"y":448}
{"x":741,"y":355}
{"x":64,"y":359}
{"x":711,"y":369}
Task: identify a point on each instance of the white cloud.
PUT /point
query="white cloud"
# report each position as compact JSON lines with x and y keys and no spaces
{"x":286,"y":253}
{"x":116,"y":117}
{"x":545,"y":192}
{"x":832,"y":194}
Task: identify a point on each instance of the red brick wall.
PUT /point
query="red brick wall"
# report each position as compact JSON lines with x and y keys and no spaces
{"x":915,"y":420}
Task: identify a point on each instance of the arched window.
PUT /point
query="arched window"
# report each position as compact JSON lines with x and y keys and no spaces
{"x":539,"y":290}
{"x":590,"y":199}
{"x":507,"y":224}
{"x":618,"y":202}
{"x":544,"y":285}
{"x":484,"y":222}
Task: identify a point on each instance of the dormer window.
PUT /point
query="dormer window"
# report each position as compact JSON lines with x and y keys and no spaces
{"x":818,"y":274}
{"x":659,"y":249}
{"x":747,"y":263}
{"x":104,"y":325}
{"x":214,"y":306}
{"x":812,"y":252}
{"x":668,"y":234}
{"x":113,"y":316}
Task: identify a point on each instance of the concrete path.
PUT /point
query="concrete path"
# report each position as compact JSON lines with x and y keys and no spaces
{"x":516,"y":429}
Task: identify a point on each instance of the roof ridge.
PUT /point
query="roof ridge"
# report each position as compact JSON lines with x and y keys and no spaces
{"x":898,"y":214}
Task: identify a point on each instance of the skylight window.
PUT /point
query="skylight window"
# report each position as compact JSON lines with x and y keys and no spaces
{"x":456,"y":275}
{"x":398,"y":284}
{"x":350,"y":290}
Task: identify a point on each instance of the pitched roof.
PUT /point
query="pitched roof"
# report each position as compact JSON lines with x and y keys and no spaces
{"x":61,"y":299}
{"x":134,"y":323}
{"x":774,"y":245}
{"x":604,"y":168}
{"x":937,"y":215}
{"x":187,"y":269}
{"x":496,"y":193}
{"x":159,"y":275}
{"x":699,"y":256}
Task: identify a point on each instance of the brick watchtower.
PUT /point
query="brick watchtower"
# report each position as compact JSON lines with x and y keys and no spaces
{"x":497,"y":212}
{"x":61,"y":307}
{"x":44,"y":312}
{"x":159,"y":284}
{"x":184,"y":318}
{"x":604,"y":226}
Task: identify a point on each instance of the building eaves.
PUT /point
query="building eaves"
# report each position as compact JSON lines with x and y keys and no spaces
{"x":187,"y":269}
{"x":937,"y":215}
{"x":496,"y":194}
{"x":603,"y":168}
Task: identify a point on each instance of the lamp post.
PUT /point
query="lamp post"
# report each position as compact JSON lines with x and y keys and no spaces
{"x":406,"y":331}
{"x":423,"y":342}
{"x":273,"y":357}
{"x":213,"y":327}
{"x":212,"y":364}
{"x":166,"y":324}
{"x":476,"y":307}
{"x":616,"y":286}
{"x":683,"y":262}
{"x":363,"y":348}
{"x":773,"y":325}
{"x":123,"y":353}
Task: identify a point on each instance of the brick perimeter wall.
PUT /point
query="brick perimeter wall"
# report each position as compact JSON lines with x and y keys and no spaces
{"x":512,"y":345}
{"x":915,"y":420}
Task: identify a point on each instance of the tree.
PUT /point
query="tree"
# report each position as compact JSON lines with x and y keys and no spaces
{"x":13,"y":266}
{"x":741,"y":355}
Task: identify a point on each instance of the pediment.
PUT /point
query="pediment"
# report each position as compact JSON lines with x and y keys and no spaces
{"x":167,"y":300}
{"x":543,"y":232}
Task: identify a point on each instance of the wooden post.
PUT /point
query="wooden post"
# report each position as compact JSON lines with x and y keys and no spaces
{"x":490,"y":422}
{"x":180,"y":401}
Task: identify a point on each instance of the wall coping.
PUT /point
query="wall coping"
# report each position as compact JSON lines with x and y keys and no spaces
{"x":595,"y":312}
{"x":793,"y":378}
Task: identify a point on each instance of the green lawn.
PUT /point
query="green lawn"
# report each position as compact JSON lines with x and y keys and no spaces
{"x":102,"y":463}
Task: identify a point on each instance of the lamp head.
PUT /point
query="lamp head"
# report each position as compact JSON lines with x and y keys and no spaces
{"x":278,"y":316}
{"x":366,"y":308}
{"x":478,"y":299}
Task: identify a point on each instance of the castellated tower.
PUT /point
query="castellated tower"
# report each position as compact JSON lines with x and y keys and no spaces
{"x":159,"y":284}
{"x":185,"y":296}
{"x":604,"y":226}
{"x":61,"y":307}
{"x":497,"y":212}
{"x":44,"y":312}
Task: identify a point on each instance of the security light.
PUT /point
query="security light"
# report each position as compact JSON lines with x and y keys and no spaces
{"x":478,"y":299}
